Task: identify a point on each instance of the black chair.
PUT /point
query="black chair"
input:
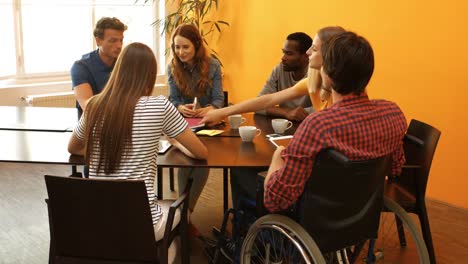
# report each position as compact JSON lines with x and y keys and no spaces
{"x":109,"y":221}
{"x":409,"y":188}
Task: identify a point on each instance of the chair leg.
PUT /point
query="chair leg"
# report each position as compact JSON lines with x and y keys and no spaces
{"x":426,"y":231}
{"x":75,"y":173}
{"x":52,"y":237}
{"x":171,"y":179}
{"x":225,"y":188}
{"x":371,"y":257}
{"x":160,"y":183}
{"x":401,"y":231}
{"x":184,"y":243}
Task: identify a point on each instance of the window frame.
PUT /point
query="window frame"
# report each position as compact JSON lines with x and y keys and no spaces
{"x":21,"y":77}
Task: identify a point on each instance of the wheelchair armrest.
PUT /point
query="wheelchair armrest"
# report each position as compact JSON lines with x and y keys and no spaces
{"x":409,"y":166}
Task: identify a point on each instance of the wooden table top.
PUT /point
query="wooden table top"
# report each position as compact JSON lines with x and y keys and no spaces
{"x":36,"y":147}
{"x":27,"y":118}
{"x":227,"y":150}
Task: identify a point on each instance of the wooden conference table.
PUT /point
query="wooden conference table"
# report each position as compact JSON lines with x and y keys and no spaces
{"x":36,"y":147}
{"x":227,"y":150}
{"x":37,"y":135}
{"x":46,"y":119}
{"x":41,"y":135}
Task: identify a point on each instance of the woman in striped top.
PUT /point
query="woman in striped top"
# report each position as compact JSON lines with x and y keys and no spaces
{"x":120,"y":130}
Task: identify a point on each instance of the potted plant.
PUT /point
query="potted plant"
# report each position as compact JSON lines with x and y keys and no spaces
{"x":196,"y":12}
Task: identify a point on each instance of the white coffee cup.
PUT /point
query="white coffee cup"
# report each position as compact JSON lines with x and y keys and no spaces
{"x":235,"y":121}
{"x":280,"y":125}
{"x":248,"y":133}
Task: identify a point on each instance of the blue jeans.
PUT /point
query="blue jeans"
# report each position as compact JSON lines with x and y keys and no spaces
{"x":244,"y":183}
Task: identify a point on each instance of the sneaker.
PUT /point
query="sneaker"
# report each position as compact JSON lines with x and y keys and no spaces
{"x":228,"y":250}
{"x":218,"y":256}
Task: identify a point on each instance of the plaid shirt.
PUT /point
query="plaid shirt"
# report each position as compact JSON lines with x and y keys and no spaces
{"x":359,"y":128}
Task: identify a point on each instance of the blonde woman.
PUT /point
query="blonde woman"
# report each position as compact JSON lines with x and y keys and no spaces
{"x":244,"y":180}
{"x":312,"y":85}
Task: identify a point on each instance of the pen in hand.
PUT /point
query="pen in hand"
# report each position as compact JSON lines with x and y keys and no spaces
{"x":194,"y":104}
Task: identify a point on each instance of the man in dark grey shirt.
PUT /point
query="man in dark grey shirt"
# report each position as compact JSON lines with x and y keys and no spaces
{"x":293,"y":68}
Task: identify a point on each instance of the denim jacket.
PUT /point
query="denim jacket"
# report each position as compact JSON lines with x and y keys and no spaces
{"x":214,"y":94}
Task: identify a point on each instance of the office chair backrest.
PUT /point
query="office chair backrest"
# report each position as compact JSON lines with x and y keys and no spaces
{"x":420,"y":144}
{"x":226,"y":98}
{"x":342,"y":200}
{"x":94,"y":220}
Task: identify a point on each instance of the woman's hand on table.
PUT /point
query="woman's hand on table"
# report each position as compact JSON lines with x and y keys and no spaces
{"x":181,"y":147}
{"x":201,"y":112}
{"x":187,"y":110}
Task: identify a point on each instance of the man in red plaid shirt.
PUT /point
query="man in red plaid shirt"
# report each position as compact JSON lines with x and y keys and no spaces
{"x":359,"y":128}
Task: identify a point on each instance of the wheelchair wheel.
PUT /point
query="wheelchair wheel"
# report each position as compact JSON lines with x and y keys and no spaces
{"x":390,"y":246}
{"x":279,"y":239}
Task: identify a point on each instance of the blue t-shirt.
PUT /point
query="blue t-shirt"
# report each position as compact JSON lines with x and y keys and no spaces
{"x":90,"y":69}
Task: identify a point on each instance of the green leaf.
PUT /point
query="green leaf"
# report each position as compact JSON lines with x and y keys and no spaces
{"x":223,"y":22}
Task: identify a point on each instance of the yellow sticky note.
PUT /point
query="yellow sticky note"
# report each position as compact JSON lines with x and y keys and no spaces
{"x":210,"y":132}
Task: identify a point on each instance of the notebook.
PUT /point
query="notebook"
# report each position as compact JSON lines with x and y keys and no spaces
{"x":281,"y":141}
{"x":164,"y":146}
{"x":194,"y":122}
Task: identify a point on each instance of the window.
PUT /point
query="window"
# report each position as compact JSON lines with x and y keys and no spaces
{"x":7,"y":45}
{"x":44,"y":38}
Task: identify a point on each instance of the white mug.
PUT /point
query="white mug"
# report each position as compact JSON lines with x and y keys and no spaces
{"x":235,"y":121}
{"x":248,"y":133}
{"x":280,"y":125}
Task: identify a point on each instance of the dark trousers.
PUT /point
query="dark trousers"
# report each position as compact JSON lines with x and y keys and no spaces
{"x":244,"y":183}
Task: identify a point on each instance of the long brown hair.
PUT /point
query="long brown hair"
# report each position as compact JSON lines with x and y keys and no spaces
{"x":201,"y":62}
{"x":315,"y":81}
{"x":109,"y":115}
{"x":326,"y":33}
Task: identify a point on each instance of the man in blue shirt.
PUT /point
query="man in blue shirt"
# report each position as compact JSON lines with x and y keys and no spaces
{"x":90,"y":74}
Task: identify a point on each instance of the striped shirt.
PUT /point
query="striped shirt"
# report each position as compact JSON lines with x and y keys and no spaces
{"x":360,"y":128}
{"x":153,"y":116}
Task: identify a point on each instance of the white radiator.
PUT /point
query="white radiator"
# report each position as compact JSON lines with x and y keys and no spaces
{"x":65,"y":99}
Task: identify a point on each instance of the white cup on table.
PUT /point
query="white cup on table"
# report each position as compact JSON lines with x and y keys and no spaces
{"x":248,"y":133}
{"x":235,"y":121}
{"x":280,"y":125}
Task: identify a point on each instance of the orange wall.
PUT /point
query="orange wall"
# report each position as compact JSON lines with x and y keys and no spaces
{"x":421,"y":62}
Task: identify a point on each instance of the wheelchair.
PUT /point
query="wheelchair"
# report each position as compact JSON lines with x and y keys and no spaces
{"x":354,"y":223}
